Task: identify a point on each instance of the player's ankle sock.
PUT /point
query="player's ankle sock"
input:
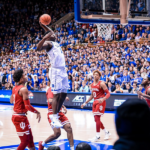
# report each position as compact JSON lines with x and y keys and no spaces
{"x":105,"y":131}
{"x":55,"y":116}
{"x":98,"y":135}
{"x":71,"y":147}
{"x":43,"y":143}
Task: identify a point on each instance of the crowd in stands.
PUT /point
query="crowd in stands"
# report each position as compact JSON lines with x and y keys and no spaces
{"x":123,"y":65}
{"x":19,"y":25}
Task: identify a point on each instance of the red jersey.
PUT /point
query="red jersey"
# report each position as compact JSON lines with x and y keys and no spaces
{"x":19,"y":106}
{"x":97,"y":91}
{"x":148,"y":100}
{"x":49,"y":94}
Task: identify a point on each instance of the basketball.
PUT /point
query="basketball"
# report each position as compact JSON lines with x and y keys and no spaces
{"x":45,"y":19}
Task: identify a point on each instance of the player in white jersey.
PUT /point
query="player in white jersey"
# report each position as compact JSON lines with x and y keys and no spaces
{"x":57,"y":72}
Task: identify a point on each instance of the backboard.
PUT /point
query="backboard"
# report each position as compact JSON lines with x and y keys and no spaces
{"x":113,"y":11}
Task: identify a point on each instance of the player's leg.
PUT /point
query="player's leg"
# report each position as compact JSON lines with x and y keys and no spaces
{"x":56,"y":85}
{"x":55,"y":103}
{"x":31,"y":142}
{"x":63,"y":92}
{"x":68,"y":129}
{"x":55,"y":135}
{"x":24,"y":142}
{"x":61,"y":100}
{"x":23,"y":130}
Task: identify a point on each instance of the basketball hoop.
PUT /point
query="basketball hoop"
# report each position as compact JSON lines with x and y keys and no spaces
{"x":104,"y":30}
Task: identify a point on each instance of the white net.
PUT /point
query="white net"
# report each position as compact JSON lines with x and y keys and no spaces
{"x":104,"y":30}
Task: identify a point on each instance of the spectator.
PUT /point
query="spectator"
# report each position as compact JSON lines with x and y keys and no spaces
{"x":84,"y":87}
{"x":4,"y":78}
{"x":111,"y":87}
{"x":35,"y":87}
{"x":128,"y":87}
{"x":132,"y":125}
{"x":135,"y":89}
{"x":118,"y":89}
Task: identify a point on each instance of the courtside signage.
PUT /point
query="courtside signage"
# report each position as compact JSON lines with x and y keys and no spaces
{"x":118,"y":102}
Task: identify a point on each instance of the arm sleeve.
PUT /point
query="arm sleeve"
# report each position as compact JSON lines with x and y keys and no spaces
{"x":107,"y":93}
{"x":29,"y":107}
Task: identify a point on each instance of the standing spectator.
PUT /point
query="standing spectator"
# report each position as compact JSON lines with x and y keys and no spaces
{"x":4,"y":78}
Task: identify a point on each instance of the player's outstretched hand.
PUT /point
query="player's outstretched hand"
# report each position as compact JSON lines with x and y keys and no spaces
{"x":38,"y":116}
{"x":65,"y":110}
{"x":42,"y":25}
{"x":101,"y":100}
{"x":139,"y":93}
{"x":83,"y":105}
{"x":67,"y":98}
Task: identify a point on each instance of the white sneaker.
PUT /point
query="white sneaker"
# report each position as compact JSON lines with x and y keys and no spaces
{"x":56,"y":123}
{"x":95,"y":139}
{"x":107,"y":135}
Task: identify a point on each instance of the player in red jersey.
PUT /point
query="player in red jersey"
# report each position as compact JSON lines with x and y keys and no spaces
{"x":62,"y":119}
{"x":100,"y":94}
{"x":21,"y":103}
{"x":146,"y":95}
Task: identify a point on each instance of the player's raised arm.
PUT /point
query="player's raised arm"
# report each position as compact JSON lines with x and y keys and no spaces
{"x":28,"y":106}
{"x":47,"y":29}
{"x":104,"y":87}
{"x":89,"y":99}
{"x":45,"y":43}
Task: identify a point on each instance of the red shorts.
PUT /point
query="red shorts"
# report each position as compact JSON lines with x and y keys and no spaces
{"x":62,"y":118}
{"x":98,"y":108}
{"x":23,"y":127}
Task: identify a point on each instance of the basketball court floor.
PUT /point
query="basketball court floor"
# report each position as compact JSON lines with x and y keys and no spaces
{"x":82,"y":122}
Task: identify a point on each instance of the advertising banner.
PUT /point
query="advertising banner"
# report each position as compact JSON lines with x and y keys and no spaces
{"x":75,"y":99}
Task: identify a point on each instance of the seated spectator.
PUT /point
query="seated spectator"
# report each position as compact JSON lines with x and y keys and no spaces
{"x":132,"y":125}
{"x":128,"y":87}
{"x":135,"y":88}
{"x":111,"y":87}
{"x":84,"y":87}
{"x":141,"y":88}
{"x":83,"y":146}
{"x":137,"y":37}
{"x":118,"y":89}
{"x":40,"y":87}
{"x":53,"y":148}
{"x":35,"y":88}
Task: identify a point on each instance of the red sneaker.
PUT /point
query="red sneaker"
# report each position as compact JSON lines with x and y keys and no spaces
{"x":41,"y":147}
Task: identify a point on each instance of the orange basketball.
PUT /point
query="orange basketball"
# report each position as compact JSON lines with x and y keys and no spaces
{"x":45,"y":19}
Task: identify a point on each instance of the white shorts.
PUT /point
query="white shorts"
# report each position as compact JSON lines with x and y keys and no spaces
{"x":59,"y":80}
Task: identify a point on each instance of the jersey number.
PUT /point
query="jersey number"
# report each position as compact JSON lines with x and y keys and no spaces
{"x":94,"y":94}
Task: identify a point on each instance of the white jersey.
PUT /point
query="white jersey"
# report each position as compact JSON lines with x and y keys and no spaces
{"x":56,"y":56}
